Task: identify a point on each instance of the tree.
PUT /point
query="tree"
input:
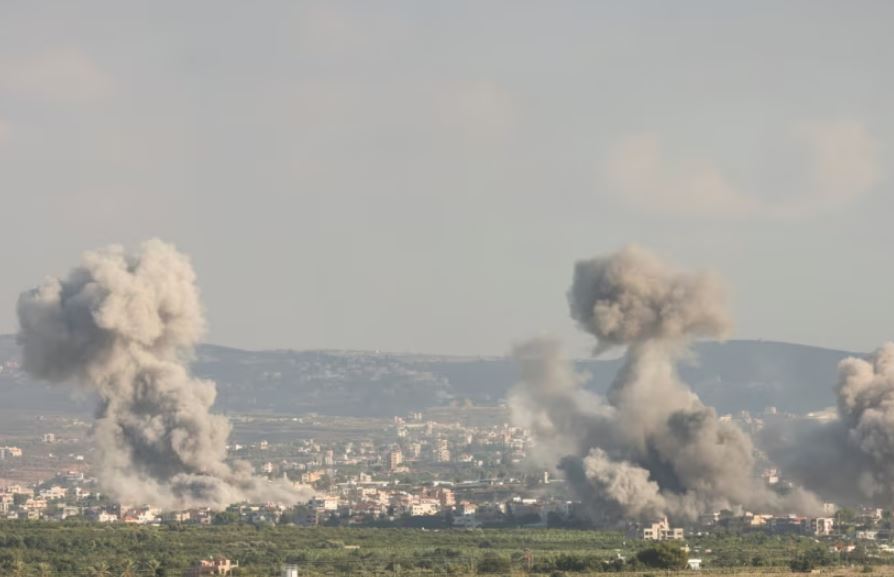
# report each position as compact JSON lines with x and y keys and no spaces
{"x":663,"y":556}
{"x":809,"y":559}
{"x":19,"y":569}
{"x":101,"y":569}
{"x":845,"y":516}
{"x":493,"y":563}
{"x":151,"y":567}
{"x":128,"y":568}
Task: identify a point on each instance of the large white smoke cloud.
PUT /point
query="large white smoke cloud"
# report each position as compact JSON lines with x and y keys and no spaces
{"x":651,"y":447}
{"x":124,"y":325}
{"x":849,"y":459}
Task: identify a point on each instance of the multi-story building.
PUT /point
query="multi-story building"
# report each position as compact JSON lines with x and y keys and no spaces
{"x":819,"y":525}
{"x":424,"y":507}
{"x":395,"y":459}
{"x":442,"y":451}
{"x":662,"y":531}
{"x":325,"y":503}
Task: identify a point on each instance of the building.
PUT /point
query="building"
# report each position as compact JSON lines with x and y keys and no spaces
{"x":289,"y":571}
{"x":324,"y":503}
{"x":6,"y":452}
{"x":395,"y":459}
{"x":819,"y":525}
{"x":70,"y":511}
{"x":106,"y":517}
{"x":53,"y":493}
{"x":312,"y":477}
{"x":466,"y":508}
{"x":445,"y":497}
{"x":662,"y":531}
{"x":424,"y":507}
{"x":216,"y":566}
{"x":790,"y":524}
{"x":442,"y":451}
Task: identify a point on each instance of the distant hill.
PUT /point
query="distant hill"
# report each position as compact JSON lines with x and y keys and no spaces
{"x":732,"y":376}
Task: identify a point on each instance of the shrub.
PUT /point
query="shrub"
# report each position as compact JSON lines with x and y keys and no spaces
{"x":493,"y":563}
{"x":663,"y":556}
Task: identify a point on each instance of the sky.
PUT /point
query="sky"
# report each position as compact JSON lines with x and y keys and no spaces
{"x":422,"y":176}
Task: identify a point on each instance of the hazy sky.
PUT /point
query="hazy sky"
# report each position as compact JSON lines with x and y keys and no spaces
{"x":421,"y":176}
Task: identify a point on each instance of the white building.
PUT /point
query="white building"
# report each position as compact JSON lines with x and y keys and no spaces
{"x":326,"y":503}
{"x":424,"y":507}
{"x":662,"y":531}
{"x":106,"y":517}
{"x":9,"y":452}
{"x":820,"y":525}
{"x":54,"y":492}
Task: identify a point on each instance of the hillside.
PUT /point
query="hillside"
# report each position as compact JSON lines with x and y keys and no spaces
{"x":732,"y":376}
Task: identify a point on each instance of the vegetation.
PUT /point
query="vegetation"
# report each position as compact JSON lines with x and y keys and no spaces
{"x":41,"y":549}
{"x":663,"y":556}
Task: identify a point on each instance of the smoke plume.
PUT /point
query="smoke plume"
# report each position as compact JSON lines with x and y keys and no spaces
{"x":124,"y":325}
{"x":651,"y":447}
{"x":849,"y":459}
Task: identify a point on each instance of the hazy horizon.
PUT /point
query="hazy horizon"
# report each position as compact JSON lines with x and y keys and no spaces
{"x":422,"y":177}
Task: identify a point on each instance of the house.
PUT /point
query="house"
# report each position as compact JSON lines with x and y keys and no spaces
{"x":819,"y":525}
{"x":53,"y":493}
{"x":790,"y":524}
{"x":102,"y":516}
{"x":662,"y":531}
{"x":70,"y":511}
{"x":424,"y":507}
{"x":694,"y":564}
{"x":215,"y":566}
{"x":325,"y":503}
{"x":10,"y":452}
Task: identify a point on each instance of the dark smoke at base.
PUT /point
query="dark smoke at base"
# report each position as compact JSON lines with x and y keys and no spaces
{"x":124,"y":326}
{"x":651,"y":447}
{"x":849,"y":459}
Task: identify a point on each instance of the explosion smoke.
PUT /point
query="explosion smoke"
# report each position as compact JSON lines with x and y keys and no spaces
{"x":851,"y":458}
{"x":124,"y":326}
{"x":651,"y":447}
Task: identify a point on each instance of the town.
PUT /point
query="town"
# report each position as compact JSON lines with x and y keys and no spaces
{"x":410,"y":471}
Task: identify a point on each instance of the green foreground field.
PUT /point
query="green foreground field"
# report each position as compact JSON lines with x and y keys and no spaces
{"x":92,"y":550}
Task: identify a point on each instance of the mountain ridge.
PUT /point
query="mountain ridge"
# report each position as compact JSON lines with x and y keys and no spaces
{"x":731,"y":375}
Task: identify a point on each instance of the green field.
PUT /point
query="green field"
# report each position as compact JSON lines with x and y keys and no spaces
{"x":42,"y":549}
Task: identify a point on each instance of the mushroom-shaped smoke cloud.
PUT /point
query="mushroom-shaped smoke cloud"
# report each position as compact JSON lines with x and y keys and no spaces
{"x":124,"y":325}
{"x":651,"y":447}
